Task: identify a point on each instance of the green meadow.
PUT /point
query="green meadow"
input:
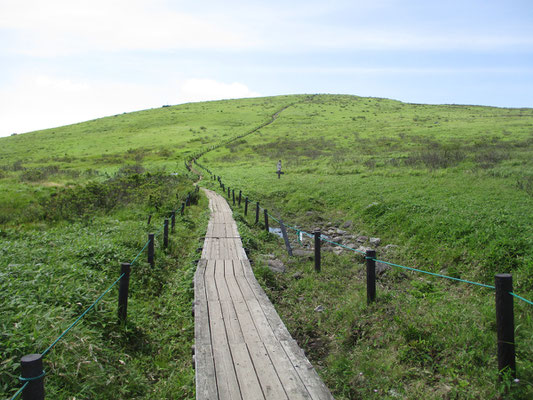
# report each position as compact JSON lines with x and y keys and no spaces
{"x":449,"y":186}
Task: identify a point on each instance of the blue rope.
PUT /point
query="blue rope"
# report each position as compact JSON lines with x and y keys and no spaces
{"x":434,"y":274}
{"x":159,"y":231}
{"x":140,"y":252}
{"x":299,"y":232}
{"x":80,"y":317}
{"x":19,"y":392}
{"x":34,"y":378}
{"x":521,"y":298}
{"x":274,"y":218}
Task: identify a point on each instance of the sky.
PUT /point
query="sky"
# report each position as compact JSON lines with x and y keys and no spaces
{"x":68,"y":61}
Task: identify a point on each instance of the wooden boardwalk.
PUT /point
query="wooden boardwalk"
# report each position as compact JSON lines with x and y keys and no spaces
{"x":242,"y":348}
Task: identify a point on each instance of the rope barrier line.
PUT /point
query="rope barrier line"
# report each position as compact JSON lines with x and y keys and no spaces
{"x":28,"y":380}
{"x":299,"y":232}
{"x":159,"y":231}
{"x":521,"y":298}
{"x":97,"y":300}
{"x":80,"y":317}
{"x":274,"y":218}
{"x":19,"y":392}
{"x":140,"y":252}
{"x":23,"y":379}
{"x":434,"y":274}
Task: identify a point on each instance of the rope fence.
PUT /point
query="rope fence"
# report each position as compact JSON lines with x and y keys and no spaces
{"x":503,"y":282}
{"x":32,"y":370}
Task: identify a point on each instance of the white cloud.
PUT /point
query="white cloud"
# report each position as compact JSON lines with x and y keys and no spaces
{"x":63,"y":27}
{"x":39,"y":101}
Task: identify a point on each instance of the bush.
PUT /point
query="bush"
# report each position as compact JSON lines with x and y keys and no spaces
{"x":155,"y":189}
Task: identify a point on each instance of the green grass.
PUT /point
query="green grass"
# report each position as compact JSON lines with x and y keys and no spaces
{"x":451,"y":186}
{"x":53,"y":270}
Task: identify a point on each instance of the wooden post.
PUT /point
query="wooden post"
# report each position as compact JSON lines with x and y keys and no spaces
{"x":285,"y":237}
{"x":317,"y":250}
{"x":266,"y":221}
{"x":240,"y":196}
{"x":257,"y":213}
{"x":246,"y":206}
{"x":370,"y":276}
{"x":123,"y":288}
{"x":182,"y":208}
{"x":173,"y":220}
{"x":505,"y":324}
{"x":233,"y":194}
{"x":32,"y":371}
{"x":165,"y":234}
{"x":151,"y":248}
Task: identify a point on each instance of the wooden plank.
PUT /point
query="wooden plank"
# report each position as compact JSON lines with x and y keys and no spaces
{"x":252,"y":354}
{"x":268,"y":377}
{"x":227,"y":385}
{"x":232,"y":245}
{"x":246,"y":322}
{"x":238,"y":268}
{"x":233,"y":328}
{"x":206,"y":387}
{"x":307,"y":374}
{"x":220,"y":280}
{"x":202,"y":333}
{"x":206,"y":248}
{"x":248,"y":381}
{"x":210,"y":284}
{"x":231,"y":281}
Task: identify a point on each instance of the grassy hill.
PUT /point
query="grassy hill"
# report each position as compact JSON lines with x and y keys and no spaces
{"x":450,"y":186}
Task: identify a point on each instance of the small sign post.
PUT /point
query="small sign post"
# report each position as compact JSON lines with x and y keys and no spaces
{"x":279,"y":172}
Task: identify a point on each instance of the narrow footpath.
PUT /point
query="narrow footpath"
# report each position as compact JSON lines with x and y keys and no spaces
{"x":242,"y":348}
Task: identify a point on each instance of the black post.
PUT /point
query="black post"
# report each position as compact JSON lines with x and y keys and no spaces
{"x":505,"y":324}
{"x":370,"y":276}
{"x":229,"y":192}
{"x":246,"y":206}
{"x":233,"y":194}
{"x":285,"y":237}
{"x":32,"y":371}
{"x":165,"y":234}
{"x":188,"y":200}
{"x":317,"y":250}
{"x":182,"y":208}
{"x":257,"y":213}
{"x":173,"y":220}
{"x":151,"y":247}
{"x":223,"y":188}
{"x":149,"y":219}
{"x":266,"y":221}
{"x":123,"y":288}
{"x":240,"y":196}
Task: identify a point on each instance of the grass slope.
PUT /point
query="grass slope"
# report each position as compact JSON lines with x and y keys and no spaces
{"x":452,"y":186}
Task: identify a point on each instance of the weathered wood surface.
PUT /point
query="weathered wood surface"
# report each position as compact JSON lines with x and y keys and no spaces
{"x":243,"y":349}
